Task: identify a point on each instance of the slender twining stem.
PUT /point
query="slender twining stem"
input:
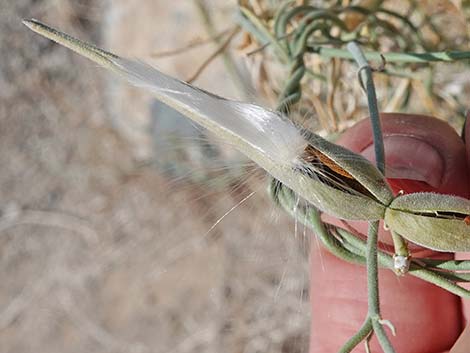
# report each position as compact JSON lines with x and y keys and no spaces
{"x":366,"y":71}
{"x":373,"y":287}
{"x":436,"y":279}
{"x":360,"y":336}
{"x":372,"y":236}
{"x":402,"y":254}
{"x":451,"y":276}
{"x":372,"y":269}
{"x":399,"y":244}
{"x":450,"y":265}
{"x":311,"y":217}
{"x":381,"y":335}
{"x":358,"y":246}
{"x":330,"y":242}
{"x":393,"y":57}
{"x":352,"y":249}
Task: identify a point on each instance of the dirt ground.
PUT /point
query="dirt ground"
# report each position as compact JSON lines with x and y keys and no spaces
{"x":112,"y":240}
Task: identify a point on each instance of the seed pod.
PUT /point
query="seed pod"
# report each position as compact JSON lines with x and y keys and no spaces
{"x":343,"y":183}
{"x":353,"y":166}
{"x":332,"y":178}
{"x":435,"y":221}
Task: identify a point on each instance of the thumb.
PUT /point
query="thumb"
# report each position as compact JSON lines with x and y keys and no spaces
{"x":466,"y":136}
{"x":424,"y":151}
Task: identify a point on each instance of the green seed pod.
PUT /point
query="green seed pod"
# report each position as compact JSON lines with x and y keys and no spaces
{"x":334,"y":179}
{"x":356,"y":167}
{"x":341,"y":183}
{"x":435,"y":221}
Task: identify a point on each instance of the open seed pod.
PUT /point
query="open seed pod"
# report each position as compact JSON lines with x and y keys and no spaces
{"x":435,"y":221}
{"x":334,"y":179}
{"x":342,"y":183}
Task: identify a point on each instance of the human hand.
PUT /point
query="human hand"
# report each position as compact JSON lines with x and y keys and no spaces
{"x":422,"y":154}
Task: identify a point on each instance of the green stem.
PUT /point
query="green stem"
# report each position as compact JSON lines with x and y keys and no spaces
{"x":393,"y":57}
{"x":372,"y":234}
{"x":352,"y":242}
{"x":357,"y":246}
{"x":372,"y":268}
{"x":364,"y":66}
{"x":373,"y":287}
{"x":402,"y":254}
{"x":399,"y":244}
{"x":360,"y":336}
{"x":454,"y":276}
{"x":330,"y":242}
{"x":381,"y":335}
{"x":450,"y":265}
{"x":438,"y":280}
{"x":311,"y":217}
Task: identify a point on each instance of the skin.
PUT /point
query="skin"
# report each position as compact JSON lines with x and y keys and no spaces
{"x":427,"y":319}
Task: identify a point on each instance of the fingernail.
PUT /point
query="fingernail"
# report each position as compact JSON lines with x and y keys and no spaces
{"x":410,"y":158}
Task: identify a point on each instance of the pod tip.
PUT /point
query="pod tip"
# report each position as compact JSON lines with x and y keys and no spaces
{"x":30,"y":23}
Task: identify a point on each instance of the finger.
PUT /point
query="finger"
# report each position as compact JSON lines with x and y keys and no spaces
{"x":463,"y":343}
{"x":465,"y":301}
{"x":431,"y":159}
{"x":422,"y":154}
{"x":418,"y":148}
{"x":466,"y":256}
{"x":426,"y":318}
{"x":466,"y":135}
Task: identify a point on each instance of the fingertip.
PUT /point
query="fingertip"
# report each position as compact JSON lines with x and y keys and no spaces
{"x":466,"y":136}
{"x":463,"y":342}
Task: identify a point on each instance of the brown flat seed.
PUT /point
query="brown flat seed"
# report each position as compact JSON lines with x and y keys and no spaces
{"x":467,"y":220}
{"x":312,"y":153}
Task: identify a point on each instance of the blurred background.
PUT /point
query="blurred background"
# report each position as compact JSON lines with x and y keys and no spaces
{"x":126,"y":228}
{"x":111,"y":230}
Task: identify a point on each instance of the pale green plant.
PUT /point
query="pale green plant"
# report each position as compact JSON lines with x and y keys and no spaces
{"x":331,"y":178}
